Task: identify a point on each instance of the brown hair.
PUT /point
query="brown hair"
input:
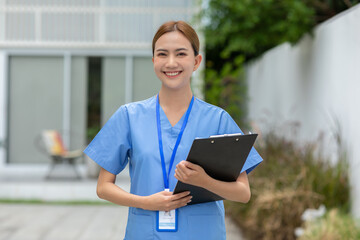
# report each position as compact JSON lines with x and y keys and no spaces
{"x":181,"y":27}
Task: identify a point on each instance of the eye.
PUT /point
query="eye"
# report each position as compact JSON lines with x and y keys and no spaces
{"x":161,"y":54}
{"x":182,"y":54}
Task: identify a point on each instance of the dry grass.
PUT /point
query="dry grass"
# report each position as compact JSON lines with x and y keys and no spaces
{"x":289,"y":181}
{"x":334,"y":226}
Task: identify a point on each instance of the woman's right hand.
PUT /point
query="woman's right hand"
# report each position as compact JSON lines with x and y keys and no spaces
{"x":166,"y":201}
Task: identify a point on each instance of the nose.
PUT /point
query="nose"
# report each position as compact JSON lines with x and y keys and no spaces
{"x":171,"y":63}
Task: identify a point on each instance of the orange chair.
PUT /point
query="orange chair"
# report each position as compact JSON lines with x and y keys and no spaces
{"x":56,"y":149}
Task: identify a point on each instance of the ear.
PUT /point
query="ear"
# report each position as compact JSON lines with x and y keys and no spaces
{"x":152,"y":59}
{"x":198,"y":59}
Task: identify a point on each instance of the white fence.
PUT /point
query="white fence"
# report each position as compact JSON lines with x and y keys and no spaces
{"x":315,"y":84}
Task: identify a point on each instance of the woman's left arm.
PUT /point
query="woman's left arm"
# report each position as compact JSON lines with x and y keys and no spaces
{"x":238,"y":191}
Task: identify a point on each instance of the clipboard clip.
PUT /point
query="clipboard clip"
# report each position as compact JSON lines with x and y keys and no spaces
{"x":226,"y":135}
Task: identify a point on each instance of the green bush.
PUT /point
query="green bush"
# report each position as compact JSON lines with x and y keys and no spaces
{"x":228,"y":91}
{"x":334,"y":226}
{"x":290,"y":180}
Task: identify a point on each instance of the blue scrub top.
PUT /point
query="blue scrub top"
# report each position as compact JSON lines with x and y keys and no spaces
{"x":130,"y":137}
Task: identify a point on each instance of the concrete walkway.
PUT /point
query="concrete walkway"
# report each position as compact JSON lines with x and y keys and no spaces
{"x":63,"y":222}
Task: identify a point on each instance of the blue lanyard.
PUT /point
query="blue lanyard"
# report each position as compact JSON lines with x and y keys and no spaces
{"x":166,"y":176}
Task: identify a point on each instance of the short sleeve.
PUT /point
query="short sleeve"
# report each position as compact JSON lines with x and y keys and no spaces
{"x":111,"y":146}
{"x":228,"y":126}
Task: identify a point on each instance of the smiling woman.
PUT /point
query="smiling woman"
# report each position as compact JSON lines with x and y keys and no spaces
{"x":156,"y":134}
{"x":174,"y":61}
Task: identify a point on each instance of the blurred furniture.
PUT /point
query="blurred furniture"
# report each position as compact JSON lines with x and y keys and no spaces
{"x":51,"y":143}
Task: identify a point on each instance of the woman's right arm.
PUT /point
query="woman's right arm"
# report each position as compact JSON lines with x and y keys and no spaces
{"x":161,"y":201}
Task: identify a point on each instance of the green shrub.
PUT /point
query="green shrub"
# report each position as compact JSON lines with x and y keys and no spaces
{"x":334,"y":226}
{"x":290,"y":180}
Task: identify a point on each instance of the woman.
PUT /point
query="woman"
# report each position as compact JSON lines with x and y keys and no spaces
{"x":154,"y":136}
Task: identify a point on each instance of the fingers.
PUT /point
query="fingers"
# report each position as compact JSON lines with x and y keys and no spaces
{"x":180,"y":202}
{"x":180,"y":195}
{"x":183,"y":202}
{"x":187,"y":165}
{"x":176,"y":201}
{"x":182,"y":169}
{"x":166,"y":201}
{"x":184,"y":173}
{"x":181,"y":199}
{"x":182,"y":165}
{"x":179,"y":174}
{"x":192,"y":166}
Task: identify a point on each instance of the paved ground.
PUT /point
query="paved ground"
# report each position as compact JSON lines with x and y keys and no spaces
{"x":48,"y":222}
{"x":62,"y":222}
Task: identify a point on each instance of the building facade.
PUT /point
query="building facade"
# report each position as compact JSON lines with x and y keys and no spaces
{"x":54,"y":52}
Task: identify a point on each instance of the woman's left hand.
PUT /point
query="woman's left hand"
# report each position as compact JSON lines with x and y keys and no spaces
{"x":190,"y":173}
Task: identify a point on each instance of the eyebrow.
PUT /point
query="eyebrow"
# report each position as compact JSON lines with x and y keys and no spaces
{"x":177,"y":50}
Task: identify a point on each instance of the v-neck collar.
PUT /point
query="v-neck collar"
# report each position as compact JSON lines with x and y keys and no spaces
{"x":164,"y":120}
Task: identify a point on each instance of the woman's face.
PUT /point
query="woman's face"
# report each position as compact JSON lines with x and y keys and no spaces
{"x":174,"y":60}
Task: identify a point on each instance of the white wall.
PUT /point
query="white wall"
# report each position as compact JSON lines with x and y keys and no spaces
{"x":314,"y":84}
{"x":3,"y":110}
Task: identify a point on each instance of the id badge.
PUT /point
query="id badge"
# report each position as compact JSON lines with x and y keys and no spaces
{"x":167,"y":221}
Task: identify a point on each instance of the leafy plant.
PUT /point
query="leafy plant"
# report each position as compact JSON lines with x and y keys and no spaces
{"x":336,"y":225}
{"x":290,"y":180}
{"x":239,"y":31}
{"x":227,"y":90}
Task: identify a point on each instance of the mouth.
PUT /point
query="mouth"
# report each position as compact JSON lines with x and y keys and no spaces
{"x":172,"y":74}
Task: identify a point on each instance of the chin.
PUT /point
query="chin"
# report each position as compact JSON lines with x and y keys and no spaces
{"x":176,"y":87}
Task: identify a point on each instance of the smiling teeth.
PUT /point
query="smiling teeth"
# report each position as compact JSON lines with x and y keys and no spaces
{"x":172,"y":74}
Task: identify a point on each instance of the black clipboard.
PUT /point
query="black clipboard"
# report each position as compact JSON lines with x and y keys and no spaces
{"x":222,"y":157}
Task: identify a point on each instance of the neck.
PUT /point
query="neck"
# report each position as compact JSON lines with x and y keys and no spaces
{"x":175,"y":99}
